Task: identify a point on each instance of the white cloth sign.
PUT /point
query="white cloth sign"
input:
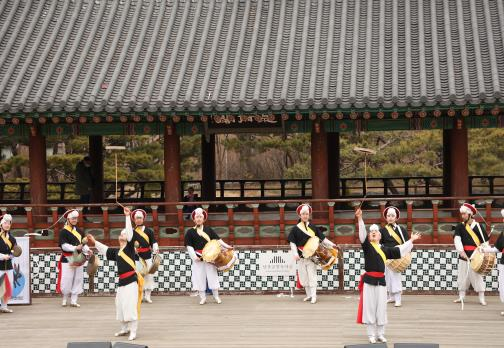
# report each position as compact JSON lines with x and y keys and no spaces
{"x":276,"y":264}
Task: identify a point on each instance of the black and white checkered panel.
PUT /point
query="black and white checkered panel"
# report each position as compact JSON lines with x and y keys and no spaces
{"x":430,"y":270}
{"x":43,"y":272}
{"x":174,"y":274}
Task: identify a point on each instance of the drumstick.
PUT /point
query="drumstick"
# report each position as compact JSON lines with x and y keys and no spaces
{"x":366,"y":152}
{"x":486,"y":223}
{"x":114,"y":147}
{"x":116,"y":200}
{"x":365,"y":181}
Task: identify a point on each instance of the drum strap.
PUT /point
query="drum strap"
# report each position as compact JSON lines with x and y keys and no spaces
{"x":73,"y":231}
{"x":6,"y":240}
{"x":202,"y":233}
{"x":472,"y":234}
{"x":380,"y":252}
{"x":306,"y":229}
{"x":393,"y":234}
{"x":142,"y":234}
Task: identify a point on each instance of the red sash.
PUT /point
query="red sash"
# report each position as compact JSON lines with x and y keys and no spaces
{"x":143,"y":250}
{"x":469,"y":247}
{"x":298,"y":281}
{"x":361,"y":292}
{"x":127,"y":274}
{"x":58,"y":283}
{"x":8,"y":289}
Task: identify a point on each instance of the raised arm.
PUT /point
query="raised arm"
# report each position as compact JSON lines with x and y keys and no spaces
{"x":129,"y":227}
{"x":408,"y":246}
{"x":362,"y":226}
{"x":102,"y":248}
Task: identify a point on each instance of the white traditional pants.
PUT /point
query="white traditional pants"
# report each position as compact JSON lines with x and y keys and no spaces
{"x":394,"y":284}
{"x":203,"y":272}
{"x":126,"y":302}
{"x":466,"y":276}
{"x":308,"y":276}
{"x":72,"y":280}
{"x":374,"y":309}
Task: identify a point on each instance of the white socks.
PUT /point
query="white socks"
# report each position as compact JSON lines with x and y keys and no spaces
{"x":308,"y":291}
{"x":481,"y":296}
{"x":147,"y":296}
{"x":124,"y":329}
{"x":215,"y":293}
{"x":375,"y":330}
{"x":133,"y":326}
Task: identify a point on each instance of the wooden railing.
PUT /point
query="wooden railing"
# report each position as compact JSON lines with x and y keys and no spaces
{"x":153,"y":191}
{"x":241,"y":222}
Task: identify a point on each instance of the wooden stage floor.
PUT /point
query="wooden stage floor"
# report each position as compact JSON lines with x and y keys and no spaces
{"x":256,"y":321}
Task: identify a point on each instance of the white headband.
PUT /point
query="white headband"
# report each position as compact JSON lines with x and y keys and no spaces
{"x":73,"y":214}
{"x":374,"y":227}
{"x":464,"y":209}
{"x":304,"y":209}
{"x":391,"y":212}
{"x":139,"y":214}
{"x":6,"y":218}
{"x":198,"y":212}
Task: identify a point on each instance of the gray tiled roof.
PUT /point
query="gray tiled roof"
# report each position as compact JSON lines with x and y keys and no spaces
{"x":216,"y":55}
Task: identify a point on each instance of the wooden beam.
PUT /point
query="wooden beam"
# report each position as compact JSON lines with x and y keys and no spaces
{"x":96,"y":154}
{"x":172,"y":168}
{"x":455,"y":163}
{"x":208,"y":173}
{"x":38,"y":174}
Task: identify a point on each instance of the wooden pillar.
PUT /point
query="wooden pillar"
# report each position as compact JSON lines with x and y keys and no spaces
{"x":96,"y":154}
{"x":333,"y":150}
{"x":319,"y":169}
{"x":172,"y":168}
{"x":38,"y":173}
{"x":455,"y":163}
{"x":319,"y":162}
{"x":208,"y":176}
